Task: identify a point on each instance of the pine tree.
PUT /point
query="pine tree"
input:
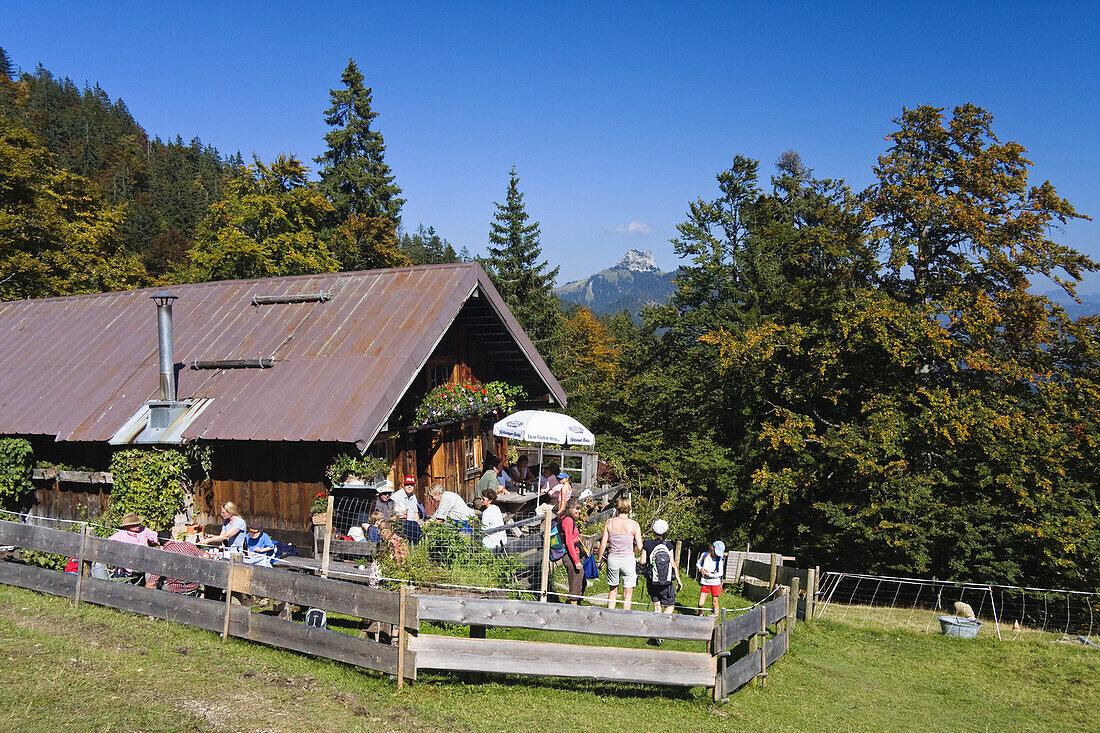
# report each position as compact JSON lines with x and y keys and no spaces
{"x":524,"y":281}
{"x":354,"y":174}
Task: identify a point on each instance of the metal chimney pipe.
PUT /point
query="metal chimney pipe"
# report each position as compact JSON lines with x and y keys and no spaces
{"x":164,"y":344}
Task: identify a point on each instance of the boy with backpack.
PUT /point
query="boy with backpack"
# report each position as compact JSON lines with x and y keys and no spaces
{"x":661,"y":572}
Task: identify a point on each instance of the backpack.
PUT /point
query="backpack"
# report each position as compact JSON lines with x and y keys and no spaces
{"x":660,"y":565}
{"x":557,"y":541}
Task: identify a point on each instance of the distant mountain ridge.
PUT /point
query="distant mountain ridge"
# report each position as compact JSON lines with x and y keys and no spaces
{"x":632,"y":284}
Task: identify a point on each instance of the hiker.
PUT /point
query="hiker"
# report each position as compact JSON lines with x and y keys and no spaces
{"x":451,"y":506}
{"x":491,"y":517}
{"x":233,"y":529}
{"x":563,"y":492}
{"x":384,"y":501}
{"x":130,"y":532}
{"x":175,"y":585}
{"x":622,"y":537}
{"x":407,"y":512}
{"x":711,"y":568}
{"x":259,"y":547}
{"x":662,"y":574}
{"x":571,"y":537}
{"x":521,"y":472}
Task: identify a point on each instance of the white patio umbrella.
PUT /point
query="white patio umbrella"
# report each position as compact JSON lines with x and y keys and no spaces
{"x":539,"y":426}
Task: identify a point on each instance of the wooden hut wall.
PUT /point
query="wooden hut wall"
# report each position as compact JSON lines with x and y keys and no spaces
{"x":273,"y":483}
{"x":64,"y":500}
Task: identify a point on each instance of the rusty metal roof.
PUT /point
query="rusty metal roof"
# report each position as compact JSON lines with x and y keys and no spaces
{"x":78,"y":367}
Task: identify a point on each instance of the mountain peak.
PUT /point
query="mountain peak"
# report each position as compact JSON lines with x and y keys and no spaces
{"x":637,"y":262}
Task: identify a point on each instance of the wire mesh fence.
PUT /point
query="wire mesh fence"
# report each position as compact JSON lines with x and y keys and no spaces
{"x":1006,"y":612}
{"x":454,"y":557}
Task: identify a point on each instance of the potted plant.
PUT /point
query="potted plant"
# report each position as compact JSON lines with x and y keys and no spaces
{"x":456,"y":401}
{"x":319,"y":508}
{"x":350,"y":470}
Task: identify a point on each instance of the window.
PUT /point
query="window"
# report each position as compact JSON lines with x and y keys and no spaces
{"x":471,"y":447}
{"x":439,"y":374}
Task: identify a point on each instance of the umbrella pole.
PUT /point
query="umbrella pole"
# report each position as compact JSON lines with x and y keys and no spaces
{"x":541,"y":467}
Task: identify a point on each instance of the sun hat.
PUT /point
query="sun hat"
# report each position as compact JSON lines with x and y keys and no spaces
{"x":255,"y":527}
{"x":386,"y":488}
{"x":660,"y":526}
{"x":129,"y":519}
{"x":410,"y":480}
{"x":719,"y":548}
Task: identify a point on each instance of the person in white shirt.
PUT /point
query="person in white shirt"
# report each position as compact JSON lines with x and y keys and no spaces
{"x":491,"y":517}
{"x":406,"y":511}
{"x":451,"y":505}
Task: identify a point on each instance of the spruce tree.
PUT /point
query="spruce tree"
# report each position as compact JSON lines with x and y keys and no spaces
{"x":523,"y":279}
{"x":354,"y":175}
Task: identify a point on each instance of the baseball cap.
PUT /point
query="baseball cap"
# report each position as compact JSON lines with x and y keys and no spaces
{"x":410,"y":480}
{"x":563,"y":475}
{"x":660,"y":526}
{"x":719,"y":547}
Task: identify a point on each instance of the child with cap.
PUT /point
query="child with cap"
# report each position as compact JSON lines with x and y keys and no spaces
{"x":258,"y":546}
{"x":711,"y":568}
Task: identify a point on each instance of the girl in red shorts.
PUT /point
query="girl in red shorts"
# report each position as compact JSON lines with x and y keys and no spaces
{"x":711,"y":567}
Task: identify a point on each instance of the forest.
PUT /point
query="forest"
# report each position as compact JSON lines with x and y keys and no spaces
{"x":863,"y":379}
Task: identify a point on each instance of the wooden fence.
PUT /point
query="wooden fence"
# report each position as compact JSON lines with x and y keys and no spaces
{"x":760,"y":579}
{"x":724,"y":666}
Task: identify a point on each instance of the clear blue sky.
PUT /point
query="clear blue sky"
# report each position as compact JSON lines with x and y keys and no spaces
{"x":614,"y":113}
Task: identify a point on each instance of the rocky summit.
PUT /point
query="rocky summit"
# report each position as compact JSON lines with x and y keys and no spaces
{"x":632,"y":284}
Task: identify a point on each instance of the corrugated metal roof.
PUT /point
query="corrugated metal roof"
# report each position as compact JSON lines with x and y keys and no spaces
{"x":78,"y":367}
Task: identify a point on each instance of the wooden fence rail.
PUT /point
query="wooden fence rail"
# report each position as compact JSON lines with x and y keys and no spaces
{"x":712,"y":668}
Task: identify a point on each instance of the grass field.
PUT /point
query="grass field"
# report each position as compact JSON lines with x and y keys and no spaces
{"x":95,"y":669}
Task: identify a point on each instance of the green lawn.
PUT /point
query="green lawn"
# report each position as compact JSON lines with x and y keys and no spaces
{"x":96,"y":669}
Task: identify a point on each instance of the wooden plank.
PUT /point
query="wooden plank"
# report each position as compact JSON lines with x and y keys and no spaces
{"x":774,"y":610}
{"x":741,"y":672}
{"x":42,"y":539}
{"x":756,"y":569}
{"x":160,"y":562}
{"x":333,"y":595}
{"x":38,"y":579}
{"x":776,"y":647}
{"x":504,"y":656}
{"x":277,"y":632}
{"x":737,"y":629}
{"x":564,"y":617}
{"x":198,"y":612}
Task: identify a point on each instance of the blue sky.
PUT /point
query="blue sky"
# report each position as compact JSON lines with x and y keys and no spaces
{"x":614,"y":113}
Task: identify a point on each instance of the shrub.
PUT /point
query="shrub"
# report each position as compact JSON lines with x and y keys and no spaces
{"x":149,"y":482}
{"x":16,"y":462}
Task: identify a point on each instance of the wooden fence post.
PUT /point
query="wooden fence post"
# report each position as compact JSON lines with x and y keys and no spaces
{"x":771,"y":577}
{"x":328,"y":539}
{"x":80,"y":563}
{"x":402,"y":637}
{"x":679,"y":547}
{"x":720,"y":667}
{"x":545,"y":574}
{"x":764,"y":646}
{"x":787,"y":621}
{"x":811,"y":583}
{"x":792,"y":604}
{"x":754,"y":644}
{"x":229,"y":595}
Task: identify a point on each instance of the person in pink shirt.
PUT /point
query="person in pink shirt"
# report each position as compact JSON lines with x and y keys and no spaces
{"x":131,"y":531}
{"x":149,"y":535}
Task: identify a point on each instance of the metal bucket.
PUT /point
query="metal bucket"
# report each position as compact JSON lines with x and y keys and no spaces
{"x":964,"y":628}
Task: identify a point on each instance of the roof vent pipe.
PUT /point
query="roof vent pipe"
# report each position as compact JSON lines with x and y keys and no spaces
{"x":164,"y":344}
